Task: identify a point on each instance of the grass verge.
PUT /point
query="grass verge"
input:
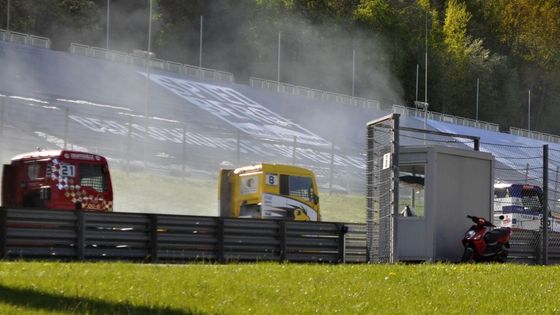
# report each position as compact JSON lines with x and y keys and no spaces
{"x":145,"y":192}
{"x":270,"y":288}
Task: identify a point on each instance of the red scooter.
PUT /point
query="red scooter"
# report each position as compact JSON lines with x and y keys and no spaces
{"x":484,"y":244}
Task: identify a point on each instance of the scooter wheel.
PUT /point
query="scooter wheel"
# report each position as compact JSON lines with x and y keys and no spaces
{"x":467,"y":254}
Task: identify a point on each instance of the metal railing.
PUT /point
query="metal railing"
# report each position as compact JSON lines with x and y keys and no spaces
{"x":313,"y":93}
{"x":534,"y":135}
{"x":407,"y":111}
{"x":25,"y":39}
{"x":86,"y":235}
{"x":129,"y":58}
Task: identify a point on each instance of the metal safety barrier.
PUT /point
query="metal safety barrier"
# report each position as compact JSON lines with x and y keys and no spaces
{"x":138,"y":60}
{"x":313,"y":93}
{"x":413,"y":112}
{"x":25,"y":39}
{"x":83,"y":235}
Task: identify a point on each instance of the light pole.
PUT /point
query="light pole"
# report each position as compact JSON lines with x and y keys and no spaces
{"x":200,"y":43}
{"x":108,"y":22}
{"x":529,"y":113}
{"x":477,"y":90}
{"x":8,"y":18}
{"x":147,"y":84}
{"x":279,"y":52}
{"x":353,"y":70}
{"x":416,"y":98}
{"x":426,"y":67}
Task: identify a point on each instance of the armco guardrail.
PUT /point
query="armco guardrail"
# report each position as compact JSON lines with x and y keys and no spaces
{"x":534,"y":135}
{"x":407,"y":111}
{"x":522,"y":247}
{"x":313,"y":93}
{"x":82,"y":235}
{"x":25,"y":39}
{"x":122,"y":57}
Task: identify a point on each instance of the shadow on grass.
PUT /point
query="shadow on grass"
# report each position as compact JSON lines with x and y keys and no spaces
{"x":29,"y":298}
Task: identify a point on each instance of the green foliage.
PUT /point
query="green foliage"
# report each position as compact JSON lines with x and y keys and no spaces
{"x":272,"y":288}
{"x":378,"y":14}
{"x":510,"y":45}
{"x":532,"y":29}
{"x":455,"y":30}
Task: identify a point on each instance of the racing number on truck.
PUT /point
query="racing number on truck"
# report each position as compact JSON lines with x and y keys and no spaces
{"x":67,"y":170}
{"x":64,"y":170}
{"x":272,"y":179}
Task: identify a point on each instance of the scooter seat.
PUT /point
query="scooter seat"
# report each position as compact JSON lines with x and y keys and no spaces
{"x":494,"y":235}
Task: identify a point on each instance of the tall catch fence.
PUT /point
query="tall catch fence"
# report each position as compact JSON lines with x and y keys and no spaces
{"x":525,"y":195}
{"x":526,"y":192}
{"x":167,"y":145}
{"x":520,"y":199}
{"x":382,"y":188}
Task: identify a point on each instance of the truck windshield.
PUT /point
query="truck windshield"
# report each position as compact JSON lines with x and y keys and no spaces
{"x":301,"y":187}
{"x":528,"y":196}
{"x":92,"y":175}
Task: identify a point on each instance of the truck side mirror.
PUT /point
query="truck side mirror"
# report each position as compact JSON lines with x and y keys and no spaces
{"x":315,"y":199}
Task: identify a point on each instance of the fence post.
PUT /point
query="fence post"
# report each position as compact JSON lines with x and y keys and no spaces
{"x":294,"y":151}
{"x":128,"y":143}
{"x":184,"y":153}
{"x":545,"y":206}
{"x":66,"y":114}
{"x":527,"y":173}
{"x":370,"y":169}
{"x":153,"y":231}
{"x":283,"y":240}
{"x":2,"y":102}
{"x":80,"y":234}
{"x":220,"y":247}
{"x":331,"y":175}
{"x":342,"y":230}
{"x":395,"y":186}
{"x":538,"y":246}
{"x":3,"y":232}
{"x":238,"y":149}
{"x":556,"y":186}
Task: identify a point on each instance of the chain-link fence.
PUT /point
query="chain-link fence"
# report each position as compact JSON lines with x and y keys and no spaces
{"x":186,"y":147}
{"x":190,"y":148}
{"x":523,"y":191}
{"x":526,"y":191}
{"x":382,"y":163}
{"x":519,"y":199}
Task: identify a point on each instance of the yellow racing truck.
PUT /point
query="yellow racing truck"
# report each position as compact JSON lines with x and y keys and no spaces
{"x":269,"y":191}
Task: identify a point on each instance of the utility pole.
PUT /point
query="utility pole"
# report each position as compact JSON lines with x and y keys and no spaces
{"x":477,"y":90}
{"x":8,"y":18}
{"x":108,"y":22}
{"x":200,"y":42}
{"x":279,"y":52}
{"x":426,"y":66}
{"x":353,"y":71}
{"x":529,"y":113}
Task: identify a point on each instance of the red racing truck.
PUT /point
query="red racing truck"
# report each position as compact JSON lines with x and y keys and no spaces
{"x":57,"y":179}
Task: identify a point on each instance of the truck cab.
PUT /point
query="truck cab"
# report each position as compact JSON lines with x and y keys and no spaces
{"x":269,"y":191}
{"x":520,"y":206}
{"x":518,"y":198}
{"x":57,"y":179}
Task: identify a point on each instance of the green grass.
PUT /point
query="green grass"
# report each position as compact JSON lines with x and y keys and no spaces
{"x":144,"y":192}
{"x":270,"y":288}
